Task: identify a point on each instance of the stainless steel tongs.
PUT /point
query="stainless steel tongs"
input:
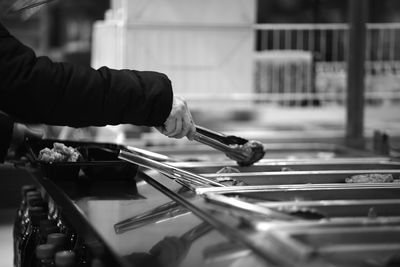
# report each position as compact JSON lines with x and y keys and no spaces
{"x":234,"y":153}
{"x":150,"y":154}
{"x":243,"y":151}
{"x":183,"y":177}
{"x":168,"y":210}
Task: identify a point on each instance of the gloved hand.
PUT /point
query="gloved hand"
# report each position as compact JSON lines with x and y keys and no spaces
{"x":179,"y":122}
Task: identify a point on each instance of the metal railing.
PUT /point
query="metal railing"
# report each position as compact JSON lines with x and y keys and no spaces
{"x":316,"y":74}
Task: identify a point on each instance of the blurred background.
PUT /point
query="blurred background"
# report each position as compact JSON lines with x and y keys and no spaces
{"x":273,"y":70}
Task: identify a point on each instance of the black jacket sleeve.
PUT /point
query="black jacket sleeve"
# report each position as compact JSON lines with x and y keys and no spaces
{"x":37,"y":90}
{"x":6,"y":127}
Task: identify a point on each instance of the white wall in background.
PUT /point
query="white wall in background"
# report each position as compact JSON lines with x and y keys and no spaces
{"x":204,"y":46}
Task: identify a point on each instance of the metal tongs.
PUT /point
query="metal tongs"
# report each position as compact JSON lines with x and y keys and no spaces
{"x":234,"y":147}
{"x":168,"y":210}
{"x":150,"y":154}
{"x":185,"y":178}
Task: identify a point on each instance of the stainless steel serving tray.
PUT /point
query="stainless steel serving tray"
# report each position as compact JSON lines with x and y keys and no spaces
{"x":360,"y":227}
{"x":287,"y":151}
{"x":268,"y":207}
{"x":301,"y":177}
{"x":308,"y":192}
{"x":314,"y":202}
{"x":340,"y":246}
{"x":264,"y":165}
{"x":371,"y":208}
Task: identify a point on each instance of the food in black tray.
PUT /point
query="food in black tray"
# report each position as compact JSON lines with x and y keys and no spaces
{"x":59,"y":153}
{"x":59,"y":159}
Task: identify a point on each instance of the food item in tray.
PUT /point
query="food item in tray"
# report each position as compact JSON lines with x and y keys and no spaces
{"x":371,"y":178}
{"x":253,"y":150}
{"x":287,"y":169}
{"x":228,"y":169}
{"x":228,"y":181}
{"x":302,"y":212}
{"x":59,"y":153}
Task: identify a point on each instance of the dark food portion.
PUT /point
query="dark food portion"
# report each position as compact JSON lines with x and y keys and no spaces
{"x":302,"y":212}
{"x":393,"y":261}
{"x":252,"y":150}
{"x":372,"y":178}
{"x":287,"y":169}
{"x":245,"y":152}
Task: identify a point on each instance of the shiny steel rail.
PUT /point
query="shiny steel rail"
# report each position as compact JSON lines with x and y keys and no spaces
{"x":186,"y":178}
{"x":232,"y":203}
{"x":295,"y":187}
{"x":150,"y":154}
{"x":359,"y":162}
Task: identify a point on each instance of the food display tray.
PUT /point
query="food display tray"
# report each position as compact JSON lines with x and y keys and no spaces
{"x":356,"y":245}
{"x":302,"y":177}
{"x":97,"y":161}
{"x":211,"y":167}
{"x":283,"y":151}
{"x":319,"y":224}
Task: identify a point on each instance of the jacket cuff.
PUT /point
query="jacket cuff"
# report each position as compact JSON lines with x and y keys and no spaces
{"x":162,"y":105}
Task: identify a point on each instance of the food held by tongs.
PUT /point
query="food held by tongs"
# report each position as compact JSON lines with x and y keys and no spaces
{"x":244,"y":152}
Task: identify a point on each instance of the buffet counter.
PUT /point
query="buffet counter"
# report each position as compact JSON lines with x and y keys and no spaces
{"x":334,"y":207}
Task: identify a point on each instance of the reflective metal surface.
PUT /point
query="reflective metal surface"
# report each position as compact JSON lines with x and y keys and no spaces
{"x":151,"y":230}
{"x":305,"y":177}
{"x":284,"y":151}
{"x":170,"y":171}
{"x":212,"y":167}
{"x":304,"y":215}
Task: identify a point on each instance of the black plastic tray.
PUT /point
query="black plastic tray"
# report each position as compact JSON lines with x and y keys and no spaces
{"x":99,"y":160}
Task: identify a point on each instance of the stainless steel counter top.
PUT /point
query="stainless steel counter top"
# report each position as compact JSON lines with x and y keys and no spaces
{"x":289,"y":212}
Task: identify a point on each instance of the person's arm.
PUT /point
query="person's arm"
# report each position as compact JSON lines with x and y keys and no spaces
{"x":6,"y":129}
{"x":37,"y":90}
